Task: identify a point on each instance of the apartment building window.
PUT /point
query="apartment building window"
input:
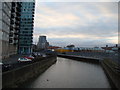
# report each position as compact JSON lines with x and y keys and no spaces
{"x":3,"y":14}
{"x":1,"y":33}
{"x":4,"y":5}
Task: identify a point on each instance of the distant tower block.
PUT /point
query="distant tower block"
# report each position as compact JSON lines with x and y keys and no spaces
{"x":42,"y":43}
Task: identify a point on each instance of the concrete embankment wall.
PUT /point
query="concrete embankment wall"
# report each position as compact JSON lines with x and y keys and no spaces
{"x":112,"y":74}
{"x":92,"y":60}
{"x":17,"y":76}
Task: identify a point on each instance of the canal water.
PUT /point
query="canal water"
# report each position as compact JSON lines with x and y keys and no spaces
{"x":67,"y":73}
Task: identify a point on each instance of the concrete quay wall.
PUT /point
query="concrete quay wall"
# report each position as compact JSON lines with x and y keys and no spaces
{"x":112,"y":74}
{"x":78,"y":58}
{"x":13,"y":78}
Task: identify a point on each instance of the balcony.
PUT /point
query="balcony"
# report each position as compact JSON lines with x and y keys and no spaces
{"x":11,"y":28}
{"x":15,"y":38}
{"x":18,"y":13}
{"x":13,"y":10}
{"x":11,"y":34}
{"x":16,"y":33}
{"x":17,"y":22}
{"x":13,"y":15}
{"x":18,"y":19}
{"x":32,"y":15}
{"x":19,"y":4}
{"x":16,"y":42}
{"x":12,"y":21}
{"x":13,"y":4}
{"x":10,"y":41}
{"x":17,"y":28}
{"x":18,"y":8}
{"x":13,"y":25}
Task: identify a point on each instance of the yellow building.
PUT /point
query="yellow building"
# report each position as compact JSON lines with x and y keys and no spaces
{"x":63,"y":50}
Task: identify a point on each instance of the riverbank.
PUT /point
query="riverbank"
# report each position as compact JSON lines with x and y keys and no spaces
{"x":13,"y":78}
{"x":68,"y":73}
{"x":80,"y":58}
{"x":111,"y":69}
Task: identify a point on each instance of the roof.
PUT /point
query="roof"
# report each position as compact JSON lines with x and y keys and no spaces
{"x":107,"y":48}
{"x":53,"y":47}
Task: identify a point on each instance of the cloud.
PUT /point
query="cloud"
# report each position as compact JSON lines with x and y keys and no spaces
{"x":56,"y":20}
{"x":93,"y":21}
{"x":77,"y":0}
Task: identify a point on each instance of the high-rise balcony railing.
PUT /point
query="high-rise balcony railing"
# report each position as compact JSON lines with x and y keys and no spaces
{"x":10,"y":41}
{"x":13,"y":4}
{"x":13,"y":15}
{"x":18,"y":9}
{"x":16,"y":38}
{"x":15,"y":42}
{"x":11,"y":27}
{"x":18,"y":14}
{"x":17,"y":22}
{"x":11,"y":34}
{"x":12,"y":21}
{"x":16,"y":33}
{"x":13,"y":10}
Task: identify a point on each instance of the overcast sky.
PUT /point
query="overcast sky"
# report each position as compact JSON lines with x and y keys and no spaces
{"x":79,"y":23}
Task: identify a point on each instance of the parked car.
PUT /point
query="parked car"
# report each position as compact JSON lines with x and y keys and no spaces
{"x":28,"y":57}
{"x":5,"y":67}
{"x":31,"y":56}
{"x":24,"y":59}
{"x":44,"y":55}
{"x":1,"y":63}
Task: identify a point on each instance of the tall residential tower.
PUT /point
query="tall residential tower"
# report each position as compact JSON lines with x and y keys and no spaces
{"x":14,"y":27}
{"x":42,"y":43}
{"x":5,"y":17}
{"x":26,"y":27}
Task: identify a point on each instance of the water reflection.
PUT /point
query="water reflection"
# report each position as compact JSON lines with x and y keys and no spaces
{"x":68,"y":73}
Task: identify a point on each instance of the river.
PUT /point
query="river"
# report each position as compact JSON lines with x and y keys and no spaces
{"x":67,"y":73}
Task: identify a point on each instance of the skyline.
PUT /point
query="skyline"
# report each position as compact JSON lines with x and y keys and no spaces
{"x":78,"y":23}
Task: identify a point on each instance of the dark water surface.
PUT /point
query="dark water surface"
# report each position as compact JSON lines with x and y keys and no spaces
{"x":68,"y":73}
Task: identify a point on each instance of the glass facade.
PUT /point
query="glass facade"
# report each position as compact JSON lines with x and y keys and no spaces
{"x":26,"y":27}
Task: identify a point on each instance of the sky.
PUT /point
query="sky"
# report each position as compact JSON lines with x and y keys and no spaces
{"x":84,"y":24}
